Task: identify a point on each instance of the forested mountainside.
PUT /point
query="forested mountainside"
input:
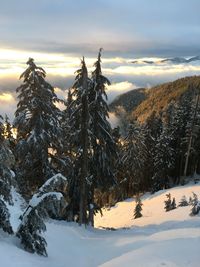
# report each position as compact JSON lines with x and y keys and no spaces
{"x":140,"y":104}
{"x":160,"y":142}
{"x":129,"y":100}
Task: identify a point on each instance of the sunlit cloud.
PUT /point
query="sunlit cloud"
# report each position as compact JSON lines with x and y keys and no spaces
{"x":6,"y":97}
{"x":13,"y":62}
{"x":119,"y":88}
{"x":152,"y":70}
{"x":7,"y":104}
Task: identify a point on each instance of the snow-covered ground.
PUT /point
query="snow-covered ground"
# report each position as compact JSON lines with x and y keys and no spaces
{"x":153,"y":210}
{"x":159,"y":238}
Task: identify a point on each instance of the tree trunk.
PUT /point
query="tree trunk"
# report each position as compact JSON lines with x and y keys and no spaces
{"x":91,"y":208}
{"x":84,"y":163}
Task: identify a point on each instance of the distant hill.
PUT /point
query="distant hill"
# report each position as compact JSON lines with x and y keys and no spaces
{"x":130,"y":100}
{"x":141,"y":103}
{"x":174,"y":60}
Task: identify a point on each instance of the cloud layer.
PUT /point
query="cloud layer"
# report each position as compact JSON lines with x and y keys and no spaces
{"x":60,"y":69}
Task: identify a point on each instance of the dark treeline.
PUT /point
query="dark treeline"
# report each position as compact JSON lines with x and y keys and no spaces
{"x":100,"y":165}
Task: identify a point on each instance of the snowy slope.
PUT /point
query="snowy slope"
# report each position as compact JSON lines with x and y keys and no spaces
{"x":158,"y":239}
{"x":153,"y":209}
{"x":169,"y":238}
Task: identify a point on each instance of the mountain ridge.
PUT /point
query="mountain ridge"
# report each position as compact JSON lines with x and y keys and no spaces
{"x":144,"y":102}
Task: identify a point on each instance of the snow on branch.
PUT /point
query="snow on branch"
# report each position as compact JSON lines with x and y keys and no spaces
{"x":56,"y":183}
{"x":49,"y":201}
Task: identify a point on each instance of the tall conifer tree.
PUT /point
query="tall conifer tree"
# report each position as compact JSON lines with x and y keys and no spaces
{"x":6,"y":181}
{"x":38,"y":126}
{"x":134,"y":159}
{"x":103,"y":144}
{"x":79,"y":121}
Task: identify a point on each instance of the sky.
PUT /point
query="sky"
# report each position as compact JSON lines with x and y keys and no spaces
{"x":57,"y":33}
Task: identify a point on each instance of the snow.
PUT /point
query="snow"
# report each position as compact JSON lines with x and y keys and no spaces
{"x":55,"y":181}
{"x":159,"y":238}
{"x":38,"y":199}
{"x":52,"y":181}
{"x":153,"y":209}
{"x":15,"y":210}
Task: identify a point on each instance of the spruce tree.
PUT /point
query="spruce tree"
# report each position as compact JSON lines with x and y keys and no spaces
{"x":191,"y":132}
{"x":5,"y":224}
{"x":7,"y":161}
{"x":151,"y":131}
{"x":195,"y":203}
{"x":175,"y":120}
{"x":173,"y":205}
{"x":183,"y":202}
{"x":102,"y":142}
{"x":182,"y":119}
{"x":9,"y":133}
{"x":63,"y":158}
{"x":38,"y":127}
{"x":194,"y":199}
{"x":138,"y":208}
{"x":49,"y":201}
{"x":163,"y":160}
{"x":6,"y":181}
{"x":93,"y":148}
{"x":169,"y":204}
{"x":79,"y":122}
{"x":7,"y":128}
{"x":134,"y":155}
